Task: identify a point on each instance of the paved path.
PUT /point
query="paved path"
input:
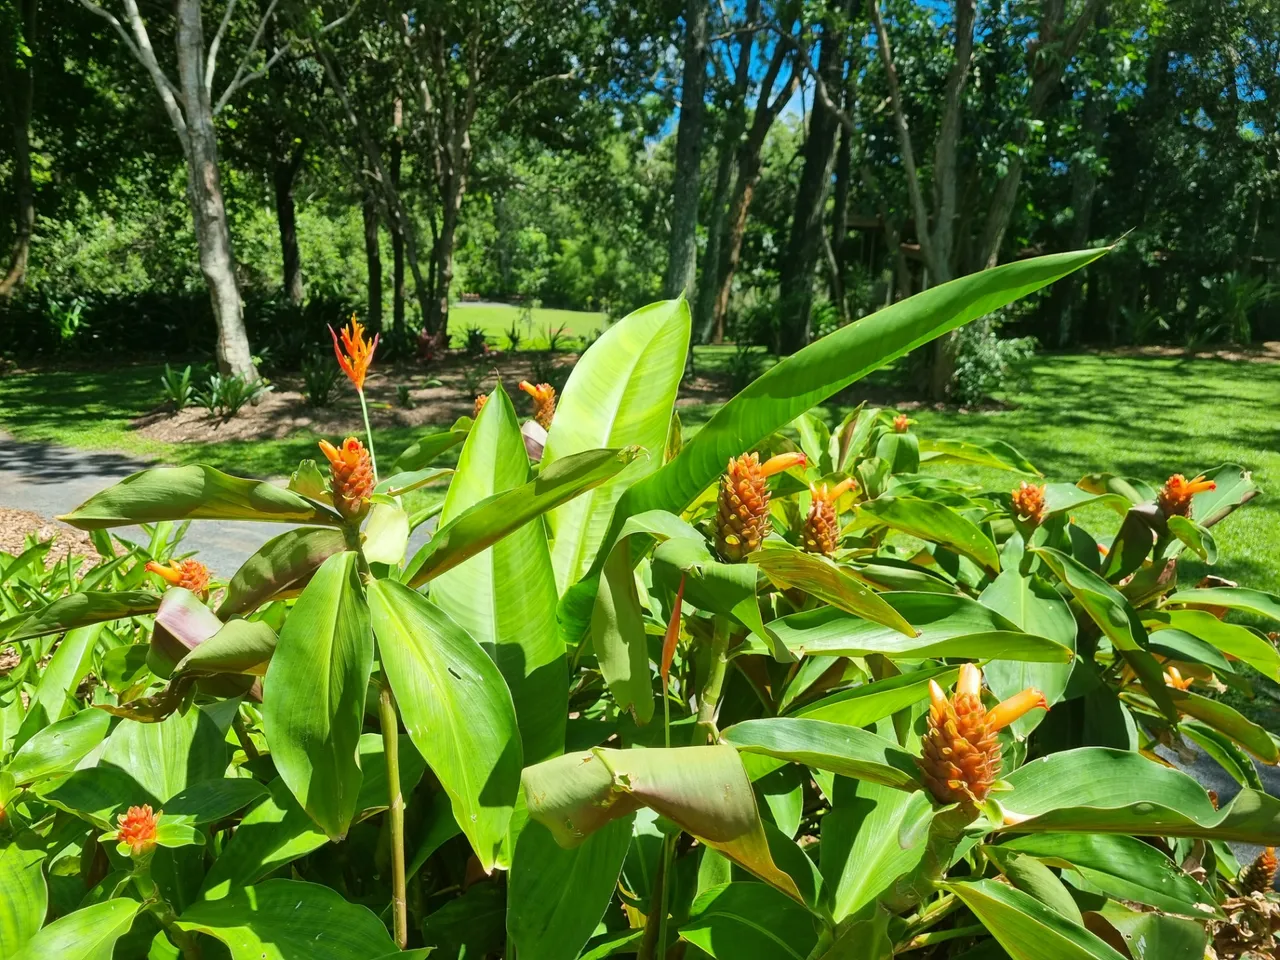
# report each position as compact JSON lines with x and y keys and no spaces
{"x":50,"y":480}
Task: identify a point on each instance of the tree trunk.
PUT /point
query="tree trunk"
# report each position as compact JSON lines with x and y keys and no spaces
{"x":840,"y":222}
{"x":373,"y":259}
{"x":1084,"y":184}
{"x":18,"y":92}
{"x":397,"y":237}
{"x":682,"y":249}
{"x":204,"y":191}
{"x":284,"y":177}
{"x":451,"y":207}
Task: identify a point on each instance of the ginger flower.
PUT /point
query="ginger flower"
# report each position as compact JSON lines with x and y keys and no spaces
{"x":1175,"y":496}
{"x":822,"y":525}
{"x":742,"y":518}
{"x":355,"y":353}
{"x":189,"y":574}
{"x":1260,"y":876}
{"x":901,"y":423}
{"x":1173,"y":678}
{"x":481,"y":400}
{"x":352,"y":473}
{"x":544,"y":401}
{"x":137,"y":830}
{"x":1028,"y":503}
{"x":961,"y":757}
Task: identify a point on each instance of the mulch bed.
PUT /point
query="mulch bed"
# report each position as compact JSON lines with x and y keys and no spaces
{"x":15,"y":525}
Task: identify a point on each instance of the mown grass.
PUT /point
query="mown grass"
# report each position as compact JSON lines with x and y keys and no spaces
{"x":495,"y":319}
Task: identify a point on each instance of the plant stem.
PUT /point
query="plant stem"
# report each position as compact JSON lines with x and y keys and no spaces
{"x":242,"y":734}
{"x":940,"y":936}
{"x":164,"y":913}
{"x":391,"y":750}
{"x":368,"y":432}
{"x":709,"y":695}
{"x":656,"y":933}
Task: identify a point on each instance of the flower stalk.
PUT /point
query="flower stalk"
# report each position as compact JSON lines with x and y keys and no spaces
{"x":390,"y":723}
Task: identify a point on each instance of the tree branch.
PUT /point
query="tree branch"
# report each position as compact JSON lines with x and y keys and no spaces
{"x":211,"y":62}
{"x":244,"y":61}
{"x":820,"y":92}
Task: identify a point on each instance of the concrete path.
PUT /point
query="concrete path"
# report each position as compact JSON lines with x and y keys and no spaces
{"x":50,"y":480}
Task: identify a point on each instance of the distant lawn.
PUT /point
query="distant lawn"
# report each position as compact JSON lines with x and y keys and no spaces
{"x":495,"y":319}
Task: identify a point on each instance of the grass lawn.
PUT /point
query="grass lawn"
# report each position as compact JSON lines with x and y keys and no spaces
{"x":495,"y":319}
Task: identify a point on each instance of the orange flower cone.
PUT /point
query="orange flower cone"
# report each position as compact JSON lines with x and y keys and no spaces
{"x":961,"y":754}
{"x":352,"y":473}
{"x":355,"y":352}
{"x":544,"y":401}
{"x":1175,"y":496}
{"x":1260,"y":876}
{"x":1173,"y":678}
{"x":189,"y":574}
{"x":137,"y":830}
{"x":901,"y":423}
{"x":742,"y":519}
{"x":481,"y":400}
{"x":822,"y":525}
{"x":1028,"y":503}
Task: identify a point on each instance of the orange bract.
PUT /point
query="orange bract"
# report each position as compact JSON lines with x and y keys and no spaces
{"x":822,"y":525}
{"x":1175,"y":496}
{"x":901,"y":423}
{"x":352,"y":471}
{"x":359,"y":351}
{"x":1028,"y":502}
{"x":138,"y":829}
{"x":961,"y":755}
{"x":544,"y":401}
{"x":481,"y":400}
{"x":742,"y":518}
{"x":189,"y":574}
{"x":1173,"y":678}
{"x":1260,"y":876}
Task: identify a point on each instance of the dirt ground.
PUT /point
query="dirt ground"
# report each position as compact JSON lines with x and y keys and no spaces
{"x":16,"y":524}
{"x":1266,"y":352}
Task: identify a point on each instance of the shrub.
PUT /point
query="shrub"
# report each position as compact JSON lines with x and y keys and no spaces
{"x":319,"y":380}
{"x":829,"y":614}
{"x":986,"y":362}
{"x":404,"y":396}
{"x":556,"y":337}
{"x":177,"y":388}
{"x":225,"y":394}
{"x":743,"y":366}
{"x":514,"y":337}
{"x":474,"y":342}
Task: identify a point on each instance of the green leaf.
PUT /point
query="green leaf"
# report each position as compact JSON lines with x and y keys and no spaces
{"x":456,"y":708}
{"x":1227,"y":720}
{"x":53,"y":697}
{"x":1233,"y":486}
{"x":703,"y":789}
{"x":1150,"y":936}
{"x":935,"y":523}
{"x":1224,"y":751}
{"x":386,"y":534}
{"x":869,"y":702}
{"x":1134,"y":490}
{"x":950,"y":626}
{"x":1196,"y":537}
{"x":96,"y":794}
{"x":505,"y":597}
{"x":750,"y":920}
{"x":88,"y":934}
{"x":1233,"y":598}
{"x":870,"y":838}
{"x":469,"y":925}
{"x":23,"y":897}
{"x":182,"y":624}
{"x":242,"y":646}
{"x":289,"y":920}
{"x":1099,"y":790}
{"x":176,"y":834}
{"x":1036,"y":608}
{"x":59,"y":747}
{"x":556,"y":897}
{"x":427,"y":448}
{"x":1068,"y":496}
{"x":1105,"y":605}
{"x":1230,"y":638}
{"x":485,"y":523}
{"x":982,"y":452}
{"x":817,"y":576}
{"x":1025,"y":927}
{"x":167,"y":758}
{"x":806,"y":378}
{"x":1122,"y":867}
{"x":314,"y":694}
{"x":1031,"y":876}
{"x":195,"y":492}
{"x":397,"y":485}
{"x":621,"y":393}
{"x":82,"y":609}
{"x":845,"y":750}
{"x":282,"y":563}
{"x":209,"y":801}
{"x":374,"y":795}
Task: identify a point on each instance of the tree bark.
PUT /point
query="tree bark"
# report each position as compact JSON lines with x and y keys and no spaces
{"x":19,"y":92}
{"x":284,"y":177}
{"x":373,"y":259}
{"x":397,"y":237}
{"x":204,"y":188}
{"x":682,"y":248}
{"x":840,"y":222}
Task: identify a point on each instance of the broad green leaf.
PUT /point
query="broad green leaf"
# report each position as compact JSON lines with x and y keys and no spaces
{"x":398,"y":484}
{"x":824,"y":580}
{"x":282,"y":563}
{"x":870,"y":838}
{"x":88,"y":934}
{"x":981,"y":452}
{"x":935,"y":523}
{"x":848,"y":751}
{"x":1134,"y":490}
{"x":470,"y":925}
{"x":195,"y":492}
{"x":1151,"y":936}
{"x":456,"y":708}
{"x":488,"y":521}
{"x":182,"y":623}
{"x":374,"y":795}
{"x":750,"y":920}
{"x":290,"y":920}
{"x":556,"y":896}
{"x":169,"y":757}
{"x":1036,"y":608}
{"x":1025,"y":927}
{"x":427,"y":448}
{"x":1233,"y":486}
{"x":1233,"y":598}
{"x":1197,"y":538}
{"x":81,"y":610}
{"x":901,"y":451}
{"x":1099,"y":790}
{"x":242,"y":646}
{"x":950,"y":626}
{"x":1068,"y":496}
{"x":1231,"y":638}
{"x":621,"y":393}
{"x":1122,"y":867}
{"x":1230,"y":721}
{"x":23,"y":896}
{"x":209,"y":801}
{"x":505,"y":597}
{"x":386,"y":534}
{"x":58,"y":747}
{"x":1105,"y":605}
{"x":806,"y":378}
{"x":97,"y":794}
{"x":276,"y":831}
{"x":703,"y":789}
{"x":1031,"y":876}
{"x":1225,"y":751}
{"x":314,"y":694}
{"x":869,"y":702}
{"x":53,"y":697}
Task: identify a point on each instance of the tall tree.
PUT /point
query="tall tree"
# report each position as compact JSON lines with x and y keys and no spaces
{"x":18,"y":43}
{"x":682,"y":248}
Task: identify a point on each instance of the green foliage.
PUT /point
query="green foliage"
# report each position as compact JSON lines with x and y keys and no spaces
{"x":987,"y":363}
{"x":320,"y":380}
{"x":225,"y":394}
{"x":177,"y":388}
